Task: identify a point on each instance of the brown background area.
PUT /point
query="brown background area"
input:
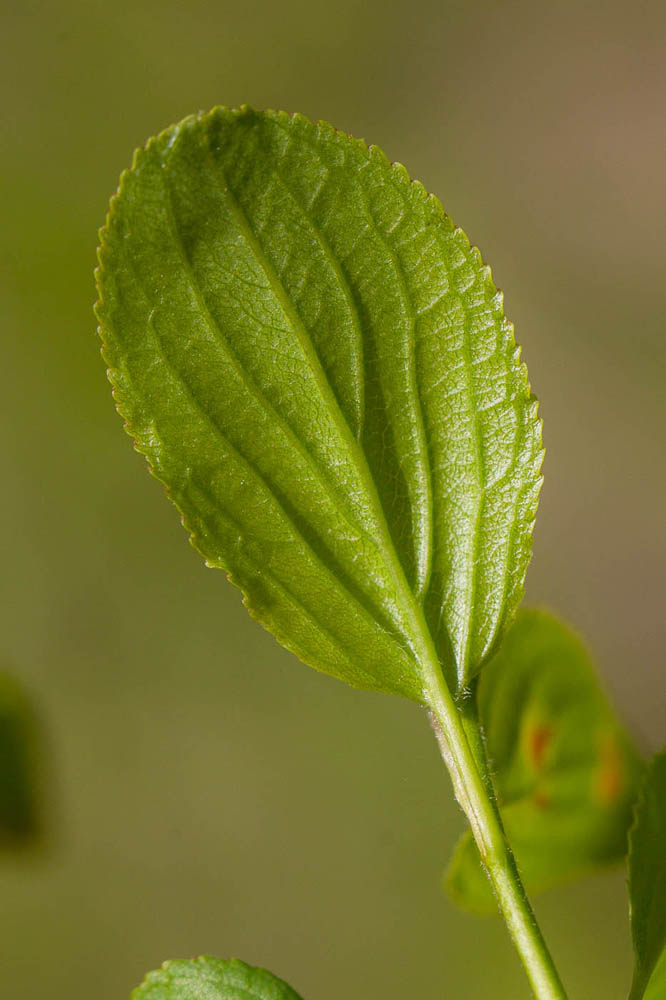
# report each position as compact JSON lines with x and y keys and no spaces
{"x":211,"y":794}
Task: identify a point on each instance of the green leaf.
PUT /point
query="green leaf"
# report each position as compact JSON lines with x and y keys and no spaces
{"x":647,"y":884}
{"x":565,"y":774}
{"x":317,"y":365}
{"x":656,"y":988}
{"x":209,"y":978}
{"x":18,"y":765}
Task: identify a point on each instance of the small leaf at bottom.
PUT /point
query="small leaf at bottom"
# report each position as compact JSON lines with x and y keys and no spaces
{"x":209,"y":978}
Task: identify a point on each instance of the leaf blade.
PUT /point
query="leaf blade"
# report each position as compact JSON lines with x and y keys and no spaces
{"x":647,"y":883}
{"x":214,"y":979}
{"x":565,"y":774}
{"x":318,"y":367}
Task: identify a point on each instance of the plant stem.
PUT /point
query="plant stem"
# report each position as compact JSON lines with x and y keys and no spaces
{"x":461,"y":743}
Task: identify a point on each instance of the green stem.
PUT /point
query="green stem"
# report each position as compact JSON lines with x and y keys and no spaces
{"x":461,"y":743}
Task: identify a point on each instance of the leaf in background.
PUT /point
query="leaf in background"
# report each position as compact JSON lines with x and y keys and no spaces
{"x":563,"y":769}
{"x":209,"y":978}
{"x":18,"y":778}
{"x":647,"y":884}
{"x":656,"y":988}
{"x":318,"y":367}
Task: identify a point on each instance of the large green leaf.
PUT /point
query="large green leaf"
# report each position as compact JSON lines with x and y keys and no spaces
{"x":18,"y":764}
{"x":209,"y":978}
{"x":565,"y":774}
{"x":317,"y":365}
{"x":647,"y":885}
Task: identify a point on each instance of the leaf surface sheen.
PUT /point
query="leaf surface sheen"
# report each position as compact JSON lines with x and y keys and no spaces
{"x":209,"y":978}
{"x":647,"y":885}
{"x":317,"y":365}
{"x":565,"y":774}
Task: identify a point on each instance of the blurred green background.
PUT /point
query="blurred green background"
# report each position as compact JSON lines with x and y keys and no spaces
{"x":208,"y":793}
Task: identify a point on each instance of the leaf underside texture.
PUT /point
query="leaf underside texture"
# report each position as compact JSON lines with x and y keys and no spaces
{"x":209,"y":978}
{"x":317,"y":365}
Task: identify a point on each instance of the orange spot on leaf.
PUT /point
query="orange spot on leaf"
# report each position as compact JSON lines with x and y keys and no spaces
{"x":538,"y":741}
{"x":610,"y":774}
{"x":541,"y":800}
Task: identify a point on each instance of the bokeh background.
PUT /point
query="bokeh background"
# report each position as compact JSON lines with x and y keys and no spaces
{"x":206,"y":792}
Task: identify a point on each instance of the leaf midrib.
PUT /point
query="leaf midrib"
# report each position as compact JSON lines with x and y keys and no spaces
{"x":473,"y":416}
{"x":338,"y":579}
{"x":248,"y":383}
{"x":424,"y":554}
{"x":384,"y":540}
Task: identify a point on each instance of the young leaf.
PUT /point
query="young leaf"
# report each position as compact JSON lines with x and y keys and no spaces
{"x":18,"y":740}
{"x":209,"y":978}
{"x":317,"y":365}
{"x":564,"y":772}
{"x":647,"y":885}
